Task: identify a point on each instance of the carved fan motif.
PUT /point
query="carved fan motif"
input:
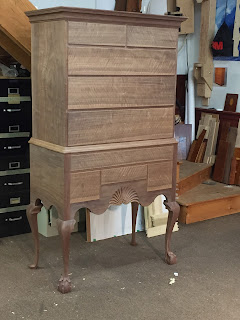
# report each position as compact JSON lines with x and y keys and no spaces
{"x":124,"y":195}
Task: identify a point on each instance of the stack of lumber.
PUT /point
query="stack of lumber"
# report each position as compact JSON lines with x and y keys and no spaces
{"x":226,"y":166}
{"x":204,"y":147}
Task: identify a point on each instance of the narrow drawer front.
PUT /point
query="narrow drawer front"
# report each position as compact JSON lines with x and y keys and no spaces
{"x":14,"y":163}
{"x":160,"y":176}
{"x":96,"y":34}
{"x":15,"y":118}
{"x":85,"y":186}
{"x":15,"y":86}
{"x":13,"y":223}
{"x":16,"y":198}
{"x":14,"y":146}
{"x":14,"y":183}
{"x":152,"y":37}
{"x":124,"y":174}
{"x":106,"y":126}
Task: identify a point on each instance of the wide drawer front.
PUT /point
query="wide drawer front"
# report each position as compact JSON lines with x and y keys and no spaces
{"x":14,"y":162}
{"x":14,"y":183}
{"x":106,"y":126}
{"x":15,"y":86}
{"x":14,"y":146}
{"x":15,"y":118}
{"x":120,"y":92}
{"x":13,"y":223}
{"x":16,"y":198}
{"x":120,"y":61}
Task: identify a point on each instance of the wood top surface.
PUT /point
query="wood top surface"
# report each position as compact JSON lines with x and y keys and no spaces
{"x":204,"y":193}
{"x":188,"y":168}
{"x":73,"y":13}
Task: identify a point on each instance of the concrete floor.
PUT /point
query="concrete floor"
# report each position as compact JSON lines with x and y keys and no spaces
{"x":113,"y":280}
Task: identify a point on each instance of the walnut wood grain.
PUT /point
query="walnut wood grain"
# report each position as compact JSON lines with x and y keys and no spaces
{"x":120,"y":92}
{"x":105,"y":159}
{"x":47,"y":177}
{"x":122,"y":174}
{"x":106,"y":126}
{"x":120,"y":61}
{"x":49,"y":81}
{"x":96,"y":34}
{"x":85,"y":186}
{"x":160,"y":175}
{"x":151,"y":37}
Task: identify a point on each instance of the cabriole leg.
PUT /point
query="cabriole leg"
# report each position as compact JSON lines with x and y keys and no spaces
{"x":174,"y":210}
{"x":64,"y":229}
{"x":32,"y":212}
{"x":134,"y":219}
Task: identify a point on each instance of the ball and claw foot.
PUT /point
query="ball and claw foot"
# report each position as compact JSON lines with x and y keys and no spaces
{"x":64,"y":285}
{"x":170,"y":258}
{"x":133,"y":243}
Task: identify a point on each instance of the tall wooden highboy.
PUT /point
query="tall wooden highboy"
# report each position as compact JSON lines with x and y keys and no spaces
{"x":103,"y":91}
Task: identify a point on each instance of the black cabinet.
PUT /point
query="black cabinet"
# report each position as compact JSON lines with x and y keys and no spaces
{"x":15,"y":132}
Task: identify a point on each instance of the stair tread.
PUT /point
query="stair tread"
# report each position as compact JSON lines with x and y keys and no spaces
{"x":204,"y":193}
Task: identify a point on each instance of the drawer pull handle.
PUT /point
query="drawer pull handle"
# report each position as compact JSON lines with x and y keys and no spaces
{"x":14,"y":183}
{"x":15,"y":200}
{"x":13,"y":147}
{"x":14,"y":128}
{"x":13,"y":90}
{"x":12,"y":110}
{"x":14,"y":219}
{"x":14,"y":165}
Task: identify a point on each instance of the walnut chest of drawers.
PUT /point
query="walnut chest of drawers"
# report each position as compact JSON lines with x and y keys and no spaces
{"x":103,"y":90}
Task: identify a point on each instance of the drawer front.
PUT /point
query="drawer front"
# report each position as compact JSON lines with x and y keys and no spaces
{"x":14,"y":183}
{"x":120,"y":92}
{"x":96,"y":34}
{"x":121,"y":157}
{"x":13,"y":223}
{"x":16,"y":198}
{"x":106,"y":126}
{"x":152,"y":37}
{"x":160,"y":175}
{"x":120,"y":61}
{"x":15,"y":118}
{"x":14,"y":146}
{"x":14,"y":163}
{"x":15,"y":86}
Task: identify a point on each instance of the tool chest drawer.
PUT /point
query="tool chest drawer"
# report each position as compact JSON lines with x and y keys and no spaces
{"x":14,"y":183}
{"x":14,"y":146}
{"x":13,"y":223}
{"x":14,"y":162}
{"x":15,"y":86}
{"x":15,"y":198}
{"x":15,"y":118}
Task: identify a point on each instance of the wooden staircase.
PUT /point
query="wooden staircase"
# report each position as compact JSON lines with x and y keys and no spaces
{"x":200,"y":201}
